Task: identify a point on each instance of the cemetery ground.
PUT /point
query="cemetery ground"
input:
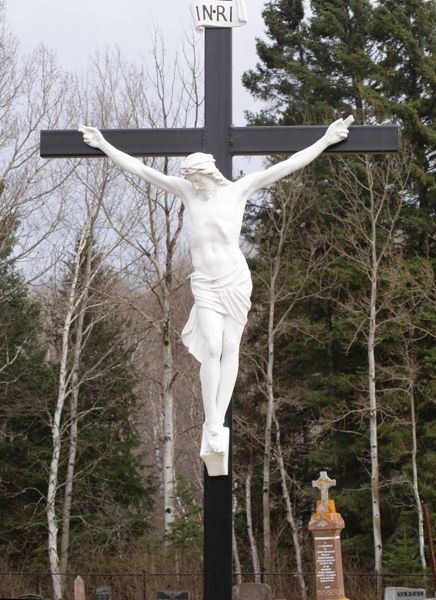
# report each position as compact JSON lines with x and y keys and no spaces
{"x":142,"y":585}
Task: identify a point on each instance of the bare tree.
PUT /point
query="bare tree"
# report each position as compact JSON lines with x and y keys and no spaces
{"x":371,"y":191}
{"x":249,"y":517}
{"x":150,"y":227}
{"x":282,"y":213}
{"x":33,"y":92}
{"x":290,"y":513}
{"x":72,"y":373}
{"x":411,"y":373}
{"x":74,"y":310}
{"x":416,"y":289}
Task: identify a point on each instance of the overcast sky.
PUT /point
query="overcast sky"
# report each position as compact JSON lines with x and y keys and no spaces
{"x":75,"y":28}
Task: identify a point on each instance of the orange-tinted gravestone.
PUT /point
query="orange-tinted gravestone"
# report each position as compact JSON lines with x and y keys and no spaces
{"x":326,"y":525}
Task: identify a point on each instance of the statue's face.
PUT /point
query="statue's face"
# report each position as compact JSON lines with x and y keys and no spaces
{"x":200,"y":180}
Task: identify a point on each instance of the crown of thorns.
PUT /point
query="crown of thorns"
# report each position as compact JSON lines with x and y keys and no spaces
{"x":197,"y":162}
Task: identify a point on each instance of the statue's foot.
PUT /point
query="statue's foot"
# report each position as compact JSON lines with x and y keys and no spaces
{"x":214,"y":434}
{"x":215,"y":450}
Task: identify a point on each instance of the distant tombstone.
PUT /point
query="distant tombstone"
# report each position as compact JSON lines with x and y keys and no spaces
{"x":403,"y":593}
{"x":251,"y":591}
{"x":79,"y":589}
{"x":103,"y":593}
{"x":167,"y":595}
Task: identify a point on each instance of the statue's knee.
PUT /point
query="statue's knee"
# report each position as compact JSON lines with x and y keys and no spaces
{"x":213,"y":348}
{"x":231,"y":345}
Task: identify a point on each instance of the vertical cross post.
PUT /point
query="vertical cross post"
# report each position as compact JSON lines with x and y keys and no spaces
{"x":218,"y":516}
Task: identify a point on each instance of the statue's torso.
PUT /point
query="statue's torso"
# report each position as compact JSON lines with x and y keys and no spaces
{"x":213,"y":226}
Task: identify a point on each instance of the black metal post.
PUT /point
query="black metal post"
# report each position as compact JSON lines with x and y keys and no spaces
{"x":218,"y":490}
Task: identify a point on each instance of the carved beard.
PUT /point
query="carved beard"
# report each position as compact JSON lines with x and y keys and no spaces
{"x":205,"y":193}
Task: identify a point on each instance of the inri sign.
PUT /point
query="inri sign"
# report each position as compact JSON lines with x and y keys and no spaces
{"x":227,"y":13}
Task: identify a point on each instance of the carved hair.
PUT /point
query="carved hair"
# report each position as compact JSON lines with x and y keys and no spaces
{"x":205,"y":164}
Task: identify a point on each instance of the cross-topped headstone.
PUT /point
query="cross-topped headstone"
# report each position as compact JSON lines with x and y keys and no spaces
{"x":221,"y":139}
{"x":324,"y":483}
{"x":326,"y":525}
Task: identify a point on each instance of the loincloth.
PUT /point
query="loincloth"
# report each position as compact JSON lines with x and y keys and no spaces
{"x":227,"y":294}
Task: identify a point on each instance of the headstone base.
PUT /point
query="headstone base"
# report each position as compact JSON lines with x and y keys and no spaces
{"x":326,"y":525}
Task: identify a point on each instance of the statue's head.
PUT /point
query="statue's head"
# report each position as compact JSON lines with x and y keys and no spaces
{"x":202,"y":164}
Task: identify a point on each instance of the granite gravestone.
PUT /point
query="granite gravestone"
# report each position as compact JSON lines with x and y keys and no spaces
{"x":403,"y":593}
{"x":251,"y":591}
{"x":326,"y":525}
{"x":103,"y":593}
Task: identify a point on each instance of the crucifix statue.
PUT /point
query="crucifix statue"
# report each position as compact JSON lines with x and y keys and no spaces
{"x":221,"y":281}
{"x":214,"y":214}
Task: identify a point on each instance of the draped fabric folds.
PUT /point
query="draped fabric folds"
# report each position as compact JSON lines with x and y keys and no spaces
{"x":227,"y":294}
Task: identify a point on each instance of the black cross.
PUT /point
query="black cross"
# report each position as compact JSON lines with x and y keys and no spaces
{"x":220,"y":138}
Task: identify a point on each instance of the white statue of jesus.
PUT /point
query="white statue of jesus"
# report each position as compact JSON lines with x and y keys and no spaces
{"x":221,"y":281}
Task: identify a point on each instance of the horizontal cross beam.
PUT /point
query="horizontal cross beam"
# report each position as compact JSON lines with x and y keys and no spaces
{"x":64,"y":143}
{"x":243,"y":141}
{"x":271,"y":140}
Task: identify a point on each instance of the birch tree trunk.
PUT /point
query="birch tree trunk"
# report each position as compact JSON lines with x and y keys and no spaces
{"x":372,"y":326}
{"x":170,"y":371}
{"x":415,"y":481}
{"x":75,"y":385}
{"x":236,"y":559}
{"x":267,"y":558}
{"x":235,"y":549}
{"x":248,"y":512}
{"x":375,"y":471}
{"x":52,"y":519}
{"x":290,"y":514}
{"x":169,"y":483}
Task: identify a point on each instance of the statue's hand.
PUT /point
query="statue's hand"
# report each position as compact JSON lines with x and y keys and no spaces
{"x":91,"y":136}
{"x":338,"y":130}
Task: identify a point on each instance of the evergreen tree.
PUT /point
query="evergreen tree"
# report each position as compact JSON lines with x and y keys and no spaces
{"x":314,"y":68}
{"x":406,"y":78}
{"x":26,"y":384}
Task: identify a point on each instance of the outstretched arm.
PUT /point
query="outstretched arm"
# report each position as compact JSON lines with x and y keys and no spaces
{"x":335,"y":133}
{"x":93,"y":137}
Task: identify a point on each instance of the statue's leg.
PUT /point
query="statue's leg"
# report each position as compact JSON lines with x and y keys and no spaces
{"x":229,"y":364}
{"x":212,"y":328}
